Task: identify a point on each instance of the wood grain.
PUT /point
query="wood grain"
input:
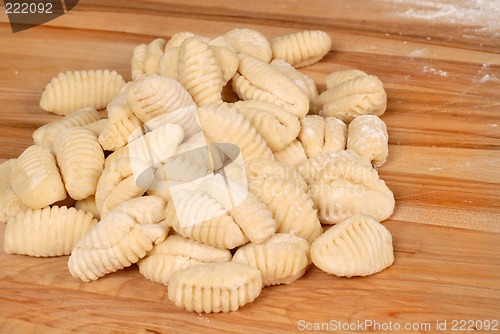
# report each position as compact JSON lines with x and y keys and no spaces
{"x":441,"y":70}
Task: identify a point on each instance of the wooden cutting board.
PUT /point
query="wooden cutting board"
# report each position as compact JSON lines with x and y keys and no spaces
{"x":440,"y":64}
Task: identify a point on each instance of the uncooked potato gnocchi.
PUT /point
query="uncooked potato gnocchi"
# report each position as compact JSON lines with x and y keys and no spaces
{"x":357,"y":246}
{"x":120,"y":239}
{"x":359,"y":94}
{"x":302,"y":48}
{"x":71,"y":91}
{"x":250,"y":42}
{"x":199,"y":71}
{"x":81,"y":161}
{"x":278,"y":127}
{"x":10,"y":204}
{"x":368,"y":136}
{"x":215,"y":287}
{"x":176,"y":253}
{"x":282,"y":259}
{"x":35,"y":178}
{"x":51,"y":231}
{"x":46,"y":135}
{"x":258,"y":80}
{"x":223,"y":124}
{"x":343,"y":187}
{"x":253,"y":177}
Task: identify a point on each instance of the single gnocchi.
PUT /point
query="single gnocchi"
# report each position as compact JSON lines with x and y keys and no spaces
{"x":35,"y":178}
{"x":71,"y":91}
{"x":199,"y":71}
{"x":359,"y":94}
{"x":292,"y":208}
{"x":223,"y":124}
{"x":320,"y":135}
{"x":197,"y":215}
{"x":155,"y":99}
{"x":177,"y":253}
{"x":357,"y":246}
{"x":368,"y":136}
{"x":215,"y":287}
{"x":81,"y":161}
{"x":302,"y":48}
{"x":282,"y":259}
{"x":10,"y":204}
{"x":278,"y":127}
{"x":46,"y":135}
{"x":345,"y":187}
{"x":51,"y":231}
{"x":258,"y":80}
{"x":122,"y":126}
{"x":120,"y":239}
{"x":250,"y":42}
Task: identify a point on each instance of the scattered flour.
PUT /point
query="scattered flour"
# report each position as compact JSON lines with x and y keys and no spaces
{"x":488,"y":77}
{"x":432,"y":70}
{"x":483,"y":14}
{"x":417,"y":53}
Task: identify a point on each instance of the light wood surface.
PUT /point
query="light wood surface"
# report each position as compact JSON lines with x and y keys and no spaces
{"x":440,"y":64}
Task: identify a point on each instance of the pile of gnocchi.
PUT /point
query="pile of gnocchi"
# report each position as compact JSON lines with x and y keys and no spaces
{"x":213,"y":196}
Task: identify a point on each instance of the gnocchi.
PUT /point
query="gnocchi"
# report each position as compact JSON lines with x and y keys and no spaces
{"x":35,"y":178}
{"x":357,"y":95}
{"x":120,"y":239}
{"x":281,"y":259}
{"x":238,"y":154}
{"x":177,"y":253}
{"x":215,"y":287}
{"x":51,"y":231}
{"x":81,"y":161}
{"x":302,"y":48}
{"x":357,"y":246}
{"x":368,"y":137}
{"x":72,"y":91}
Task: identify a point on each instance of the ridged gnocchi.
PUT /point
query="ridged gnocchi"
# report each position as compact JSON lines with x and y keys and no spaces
{"x":281,"y":259}
{"x":319,"y":135}
{"x":10,"y":204}
{"x":292,"y":208}
{"x":198,"y":216}
{"x":250,"y":42}
{"x":302,"y":48}
{"x":278,"y":127}
{"x":71,"y":91}
{"x":368,"y":137}
{"x":158,"y":100}
{"x":305,"y":83}
{"x":35,"y":178}
{"x":258,"y":80}
{"x":357,"y":246}
{"x":215,"y":287}
{"x":51,"y":231}
{"x":345,"y":187}
{"x":293,"y":154}
{"x":199,"y":71}
{"x":137,"y":62}
{"x":46,"y":135}
{"x":177,"y":253}
{"x":122,"y":126}
{"x":359,"y":94}
{"x":154,"y":51}
{"x":223,"y":124}
{"x":81,"y":161}
{"x":120,"y":239}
